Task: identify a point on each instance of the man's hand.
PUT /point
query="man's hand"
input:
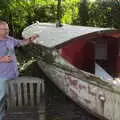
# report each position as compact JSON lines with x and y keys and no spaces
{"x":6,"y":59}
{"x":33,"y":37}
{"x":29,"y":40}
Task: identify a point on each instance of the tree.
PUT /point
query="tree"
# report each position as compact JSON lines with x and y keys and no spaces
{"x":59,"y":14}
{"x":83,"y":16}
{"x":105,"y":13}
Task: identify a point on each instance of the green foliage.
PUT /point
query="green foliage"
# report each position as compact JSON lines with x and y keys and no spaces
{"x":4,"y":3}
{"x":28,"y":53}
{"x":83,"y":13}
{"x":70,"y":9}
{"x":105,"y":14}
{"x":100,"y":14}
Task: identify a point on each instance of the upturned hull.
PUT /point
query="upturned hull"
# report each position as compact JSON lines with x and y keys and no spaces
{"x":98,"y":97}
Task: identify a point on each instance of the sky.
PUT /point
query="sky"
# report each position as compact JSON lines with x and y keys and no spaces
{"x":92,"y":0}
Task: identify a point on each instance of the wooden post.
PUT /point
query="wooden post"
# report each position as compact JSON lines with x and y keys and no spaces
{"x":31,"y":94}
{"x":38,"y":93}
{"x":25,"y":93}
{"x":19,"y":94}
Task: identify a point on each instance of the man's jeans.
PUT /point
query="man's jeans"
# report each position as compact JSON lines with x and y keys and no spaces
{"x":2,"y":93}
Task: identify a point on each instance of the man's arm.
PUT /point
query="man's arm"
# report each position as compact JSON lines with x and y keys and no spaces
{"x":24,"y":42}
{"x":18,"y":43}
{"x":28,"y":41}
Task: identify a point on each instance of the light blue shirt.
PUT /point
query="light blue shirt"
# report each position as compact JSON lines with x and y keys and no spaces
{"x":7,"y":47}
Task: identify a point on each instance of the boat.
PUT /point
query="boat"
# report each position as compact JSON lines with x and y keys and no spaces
{"x":83,"y":62}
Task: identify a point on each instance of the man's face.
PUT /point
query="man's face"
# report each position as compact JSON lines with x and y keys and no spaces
{"x":4,"y":30}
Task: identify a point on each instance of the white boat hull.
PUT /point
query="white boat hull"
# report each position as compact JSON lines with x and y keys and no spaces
{"x":101,"y":101}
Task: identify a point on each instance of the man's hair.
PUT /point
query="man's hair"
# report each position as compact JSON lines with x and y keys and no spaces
{"x":2,"y":22}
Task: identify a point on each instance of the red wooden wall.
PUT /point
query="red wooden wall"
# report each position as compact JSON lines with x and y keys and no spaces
{"x":80,"y":53}
{"x":112,"y":55}
{"x":118,"y":60}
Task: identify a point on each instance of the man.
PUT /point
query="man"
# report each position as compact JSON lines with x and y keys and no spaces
{"x":8,"y":62}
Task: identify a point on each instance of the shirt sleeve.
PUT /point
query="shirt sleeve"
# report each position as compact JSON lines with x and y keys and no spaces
{"x":16,"y":42}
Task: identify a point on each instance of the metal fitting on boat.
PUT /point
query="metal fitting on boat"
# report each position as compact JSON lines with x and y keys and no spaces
{"x":101,"y":96}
